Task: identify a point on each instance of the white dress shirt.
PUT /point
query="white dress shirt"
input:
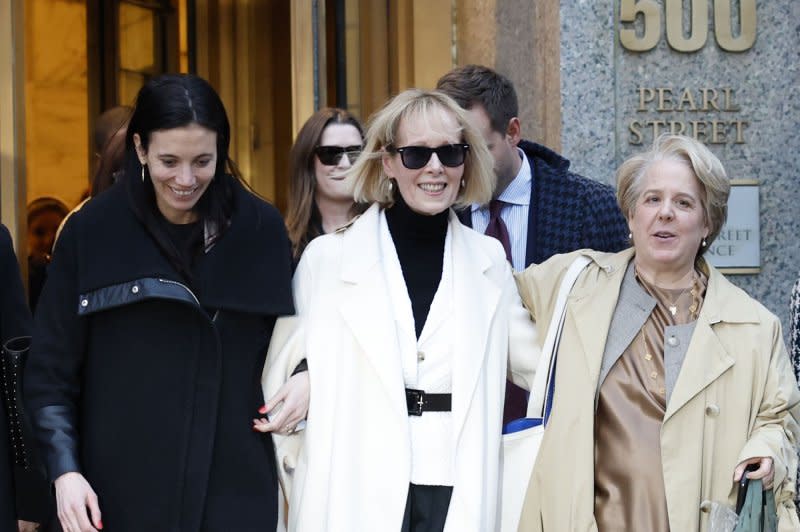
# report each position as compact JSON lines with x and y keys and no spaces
{"x":517,"y":197}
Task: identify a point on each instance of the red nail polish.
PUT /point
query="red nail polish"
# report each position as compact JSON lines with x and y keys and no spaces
{"x":99,"y":525}
{"x":263,"y":409}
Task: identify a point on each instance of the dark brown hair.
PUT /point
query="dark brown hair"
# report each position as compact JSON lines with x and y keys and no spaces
{"x":173,"y":101}
{"x":110,"y":164}
{"x":473,"y":85}
{"x":302,"y":217}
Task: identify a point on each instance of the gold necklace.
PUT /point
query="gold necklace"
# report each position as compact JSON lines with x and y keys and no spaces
{"x":673,"y":303}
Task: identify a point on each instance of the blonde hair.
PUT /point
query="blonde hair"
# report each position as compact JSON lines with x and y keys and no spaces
{"x":705,"y":166}
{"x":370,"y":182}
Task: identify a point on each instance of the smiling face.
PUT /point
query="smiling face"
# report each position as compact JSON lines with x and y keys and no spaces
{"x":181,"y":163}
{"x":434,"y":187}
{"x":668,"y":222}
{"x":331,"y":182}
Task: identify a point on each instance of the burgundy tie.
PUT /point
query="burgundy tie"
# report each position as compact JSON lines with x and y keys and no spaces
{"x":497,"y":227}
{"x":516,"y":398}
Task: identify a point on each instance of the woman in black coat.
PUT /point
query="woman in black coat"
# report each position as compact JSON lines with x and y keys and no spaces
{"x":152,"y":330}
{"x":24,"y":497}
{"x":14,"y":321}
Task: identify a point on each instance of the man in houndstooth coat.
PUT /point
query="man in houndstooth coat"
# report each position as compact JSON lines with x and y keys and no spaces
{"x":542,"y":207}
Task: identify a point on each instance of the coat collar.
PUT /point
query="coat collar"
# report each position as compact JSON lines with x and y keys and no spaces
{"x":597,"y":297}
{"x":247,"y":270}
{"x":724,"y":302}
{"x":706,"y":359}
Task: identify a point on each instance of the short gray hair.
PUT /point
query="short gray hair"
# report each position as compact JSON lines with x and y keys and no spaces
{"x":705,"y":166}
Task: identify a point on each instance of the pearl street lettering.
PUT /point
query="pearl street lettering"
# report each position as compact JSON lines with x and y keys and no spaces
{"x":683,"y":106}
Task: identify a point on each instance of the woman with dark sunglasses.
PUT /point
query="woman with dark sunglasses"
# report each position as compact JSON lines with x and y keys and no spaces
{"x":320,"y":198}
{"x":408,"y":321}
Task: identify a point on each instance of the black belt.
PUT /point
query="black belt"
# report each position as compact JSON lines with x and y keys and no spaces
{"x":418,"y":402}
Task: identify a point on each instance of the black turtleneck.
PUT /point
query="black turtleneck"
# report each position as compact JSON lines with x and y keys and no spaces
{"x":419,"y":241}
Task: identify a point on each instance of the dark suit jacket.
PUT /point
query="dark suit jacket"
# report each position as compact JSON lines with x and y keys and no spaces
{"x":567,"y":211}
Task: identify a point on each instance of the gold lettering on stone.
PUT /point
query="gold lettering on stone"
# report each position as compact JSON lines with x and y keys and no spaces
{"x":676,"y":127}
{"x":740,"y":125}
{"x":699,"y":128}
{"x":664,"y":99}
{"x":723,"y":25}
{"x":729,"y":105}
{"x":709,"y":98}
{"x":651,"y":21}
{"x":635,"y":129}
{"x":688,"y":100}
{"x":717,"y":132}
{"x":693,"y":38}
{"x":646,"y":95}
{"x":698,"y":29}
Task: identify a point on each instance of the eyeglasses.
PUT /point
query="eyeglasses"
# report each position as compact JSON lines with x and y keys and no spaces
{"x":331,"y":155}
{"x":416,"y":157}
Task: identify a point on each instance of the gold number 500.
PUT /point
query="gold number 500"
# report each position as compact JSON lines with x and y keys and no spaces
{"x":696,"y":39}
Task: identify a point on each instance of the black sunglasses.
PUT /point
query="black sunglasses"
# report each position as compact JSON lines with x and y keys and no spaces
{"x":415,"y":157}
{"x":331,"y":155}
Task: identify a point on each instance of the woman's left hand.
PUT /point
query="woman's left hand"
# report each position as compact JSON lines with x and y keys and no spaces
{"x":765,"y":471}
{"x":293,"y":398}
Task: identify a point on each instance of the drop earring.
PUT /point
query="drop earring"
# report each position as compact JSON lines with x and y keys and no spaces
{"x":703,"y":243}
{"x":143,"y":173}
{"x":463,"y":184}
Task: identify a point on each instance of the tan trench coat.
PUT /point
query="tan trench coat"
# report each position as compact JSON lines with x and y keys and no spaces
{"x":735,"y":398}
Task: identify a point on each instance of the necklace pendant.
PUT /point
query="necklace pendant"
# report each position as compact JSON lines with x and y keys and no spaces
{"x":673,"y":309}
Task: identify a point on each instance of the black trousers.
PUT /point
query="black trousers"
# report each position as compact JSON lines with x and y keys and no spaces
{"x":426,"y":508}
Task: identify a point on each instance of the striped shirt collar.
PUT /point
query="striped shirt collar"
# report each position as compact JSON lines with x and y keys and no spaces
{"x":518,"y":192}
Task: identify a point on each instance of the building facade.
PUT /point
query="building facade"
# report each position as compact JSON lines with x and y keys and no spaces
{"x":596,"y":81}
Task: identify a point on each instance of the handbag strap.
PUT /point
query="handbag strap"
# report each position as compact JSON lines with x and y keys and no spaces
{"x":544,"y":380}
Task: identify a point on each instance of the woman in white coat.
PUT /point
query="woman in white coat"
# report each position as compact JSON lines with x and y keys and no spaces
{"x":407,"y":320}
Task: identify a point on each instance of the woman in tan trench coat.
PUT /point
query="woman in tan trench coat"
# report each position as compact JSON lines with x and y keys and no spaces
{"x":670,"y":380}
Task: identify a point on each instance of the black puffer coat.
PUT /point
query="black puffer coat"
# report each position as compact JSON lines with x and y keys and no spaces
{"x":147,"y":387}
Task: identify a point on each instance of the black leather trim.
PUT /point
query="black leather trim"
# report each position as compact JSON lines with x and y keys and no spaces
{"x":59,"y":439}
{"x":130,"y":292}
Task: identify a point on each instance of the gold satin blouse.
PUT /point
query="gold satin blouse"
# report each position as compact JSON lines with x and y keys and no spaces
{"x":629,"y":485}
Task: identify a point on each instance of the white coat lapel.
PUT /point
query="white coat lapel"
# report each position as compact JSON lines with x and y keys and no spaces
{"x":365,"y":304}
{"x":475,"y":299}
